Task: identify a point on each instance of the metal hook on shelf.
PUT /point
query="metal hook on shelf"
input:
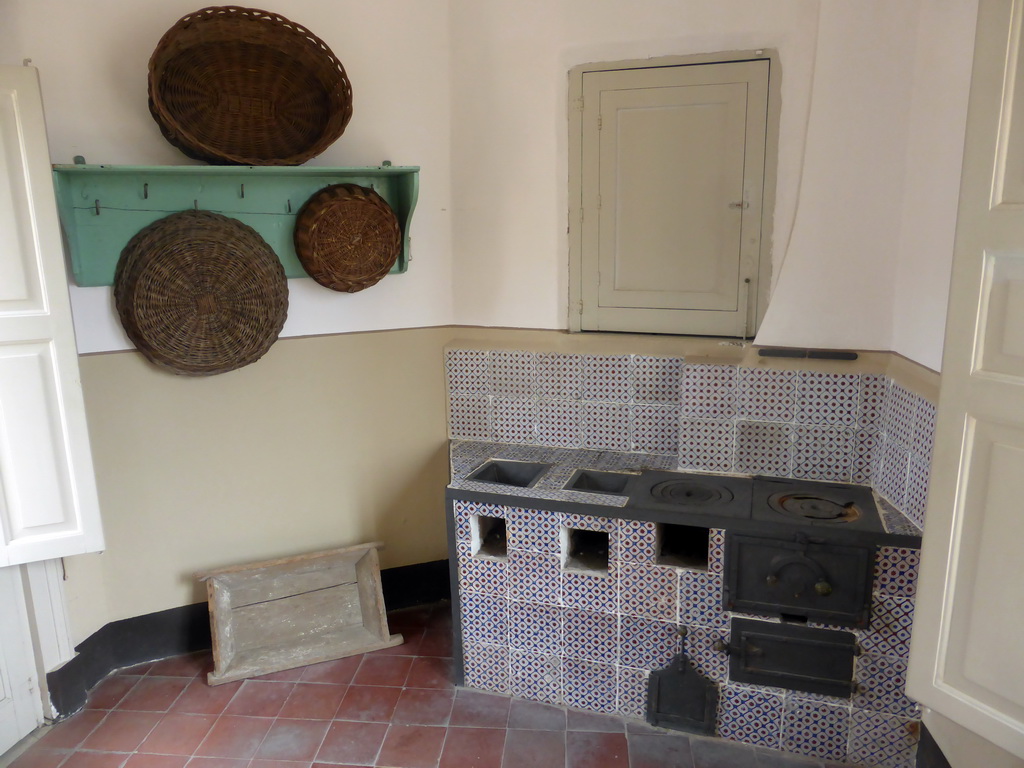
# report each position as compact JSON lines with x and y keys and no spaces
{"x":243,"y":191}
{"x":145,"y":191}
{"x":195,"y":204}
{"x":289,"y":206}
{"x":97,"y":206}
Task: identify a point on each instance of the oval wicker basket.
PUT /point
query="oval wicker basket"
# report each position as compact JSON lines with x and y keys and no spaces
{"x":347,"y":237}
{"x":200,"y":293}
{"x":232,"y":85}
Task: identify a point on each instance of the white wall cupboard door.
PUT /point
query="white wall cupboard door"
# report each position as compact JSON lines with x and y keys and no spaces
{"x":672,"y":177}
{"x":48,"y":501}
{"x":966,"y":661}
{"x":20,"y":705}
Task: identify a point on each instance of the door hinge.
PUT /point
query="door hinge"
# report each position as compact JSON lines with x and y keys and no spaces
{"x":600,"y":122}
{"x":577,"y":104}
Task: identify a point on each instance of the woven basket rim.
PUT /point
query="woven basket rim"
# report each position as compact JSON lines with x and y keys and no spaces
{"x":186,"y":140}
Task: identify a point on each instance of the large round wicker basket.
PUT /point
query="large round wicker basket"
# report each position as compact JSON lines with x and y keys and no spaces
{"x":233,"y":85}
{"x":347,"y":237}
{"x":199,"y":293}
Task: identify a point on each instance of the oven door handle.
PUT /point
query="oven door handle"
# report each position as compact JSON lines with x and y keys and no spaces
{"x":821,"y":584}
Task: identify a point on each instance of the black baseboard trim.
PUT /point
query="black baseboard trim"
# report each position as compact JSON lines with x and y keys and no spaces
{"x":186,"y":629}
{"x":928,"y":753}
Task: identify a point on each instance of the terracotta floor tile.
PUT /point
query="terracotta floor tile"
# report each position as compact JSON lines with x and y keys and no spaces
{"x":259,"y":699}
{"x":409,"y":647}
{"x":596,"y":750}
{"x":412,"y":746}
{"x":202,"y":699}
{"x":72,"y":732}
{"x":156,"y":761}
{"x":138,"y":669}
{"x":154,"y":694}
{"x":178,"y":734}
{"x":383,"y":670}
{"x":279,"y":764}
{"x":121,"y":731}
{"x":659,"y":750}
{"x":285,"y":675}
{"x":423,"y":706}
{"x":534,"y":715}
{"x":430,"y":672}
{"x":338,"y":671}
{"x":96,"y":759}
{"x":415,"y":618}
{"x":592,"y":721}
{"x":483,"y":710}
{"x":473,"y":748}
{"x":40,"y":757}
{"x":369,"y":703}
{"x":719,"y":753}
{"x":436,"y":643}
{"x":110,"y":691}
{"x":216,"y":762}
{"x":352,"y":743}
{"x":313,"y":701}
{"x":535,"y":749}
{"x":189,"y":665}
{"x":235,"y":737}
{"x":292,"y":740}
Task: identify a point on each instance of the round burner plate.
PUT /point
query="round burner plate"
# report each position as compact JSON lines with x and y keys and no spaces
{"x":808,"y":506}
{"x":690,"y":493}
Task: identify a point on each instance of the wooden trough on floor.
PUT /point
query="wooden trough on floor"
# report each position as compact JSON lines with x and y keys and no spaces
{"x":286,"y":613}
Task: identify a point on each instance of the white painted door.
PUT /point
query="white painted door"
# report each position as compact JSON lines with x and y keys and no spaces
{"x":20,"y":705}
{"x":672,"y":186}
{"x":48,"y":501}
{"x":966,"y":660}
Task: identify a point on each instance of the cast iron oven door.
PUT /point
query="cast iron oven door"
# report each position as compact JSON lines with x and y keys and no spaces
{"x":798,"y":577}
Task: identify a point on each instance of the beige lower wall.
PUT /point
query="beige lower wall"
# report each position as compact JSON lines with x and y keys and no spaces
{"x":964,"y":748}
{"x":326,"y":441}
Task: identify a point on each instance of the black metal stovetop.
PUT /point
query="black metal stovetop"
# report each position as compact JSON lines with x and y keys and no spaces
{"x":719,"y":495}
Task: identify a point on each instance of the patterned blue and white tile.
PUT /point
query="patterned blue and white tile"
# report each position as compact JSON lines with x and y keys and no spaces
{"x":632,"y":692}
{"x":514,"y":420}
{"x":637,"y":541}
{"x":863,"y":454}
{"x":513,"y":373}
{"x":924,"y":432}
{"x":896,"y":571}
{"x":591,"y":591}
{"x":606,"y":378}
{"x":707,"y":445}
{"x":873,"y":390}
{"x":822,"y":453}
{"x":648,"y":643}
{"x":533,"y":576}
{"x":469,"y":417}
{"x":533,"y":530}
{"x":827,"y":398}
{"x":889,"y":477}
{"x":486,"y":667}
{"x":657,"y":379}
{"x":560,"y":376}
{"x":654,"y":428}
{"x":880,"y":686}
{"x":536,"y":676}
{"x":707,"y":651}
{"x":589,"y":685}
{"x":590,"y":635}
{"x":709,"y":391}
{"x":649,"y":590}
{"x":700,"y":600}
{"x":900,"y":414}
{"x":560,"y":423}
{"x":535,"y":627}
{"x":485,"y":619}
{"x":915,"y":503}
{"x":752,"y":715}
{"x":814,"y":728}
{"x":763,"y":448}
{"x":767,"y":394}
{"x":467,"y":371}
{"x":481,"y":574}
{"x":464,"y":512}
{"x":716,"y":551}
{"x":605,"y":426}
{"x":883,"y":741}
{"x":889,"y":632}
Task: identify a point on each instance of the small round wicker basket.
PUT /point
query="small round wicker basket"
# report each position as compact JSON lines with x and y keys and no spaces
{"x":347,"y":237}
{"x":232,"y":85}
{"x":199,"y":293}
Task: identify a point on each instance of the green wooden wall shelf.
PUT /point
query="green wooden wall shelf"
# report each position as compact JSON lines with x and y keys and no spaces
{"x":103,"y":206}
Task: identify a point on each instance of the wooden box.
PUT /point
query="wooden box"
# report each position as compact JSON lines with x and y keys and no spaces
{"x":286,"y":613}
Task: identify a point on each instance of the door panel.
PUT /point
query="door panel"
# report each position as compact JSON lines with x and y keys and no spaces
{"x":20,"y":704}
{"x":48,"y":501}
{"x":965,"y":658}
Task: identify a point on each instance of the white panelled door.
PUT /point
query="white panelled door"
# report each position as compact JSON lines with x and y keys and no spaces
{"x":966,"y":659}
{"x":48,"y":502}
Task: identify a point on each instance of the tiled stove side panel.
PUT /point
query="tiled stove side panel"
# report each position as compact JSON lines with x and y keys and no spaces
{"x":855,"y":428}
{"x":590,"y":641}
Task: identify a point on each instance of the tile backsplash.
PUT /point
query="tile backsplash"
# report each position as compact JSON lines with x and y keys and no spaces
{"x":855,"y":428}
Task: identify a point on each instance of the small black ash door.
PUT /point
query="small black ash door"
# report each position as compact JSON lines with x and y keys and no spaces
{"x":799,"y":577}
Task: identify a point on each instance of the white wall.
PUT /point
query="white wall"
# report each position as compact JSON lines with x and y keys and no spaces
{"x":93,"y":61}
